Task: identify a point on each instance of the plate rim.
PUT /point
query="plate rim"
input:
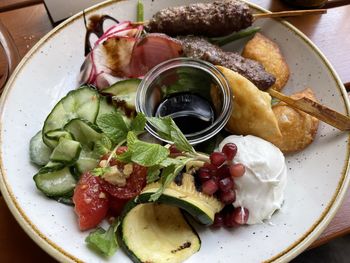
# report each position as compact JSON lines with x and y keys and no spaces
{"x":284,"y":256}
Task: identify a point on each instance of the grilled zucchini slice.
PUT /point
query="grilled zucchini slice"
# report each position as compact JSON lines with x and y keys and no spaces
{"x":202,"y":207}
{"x":156,"y":233}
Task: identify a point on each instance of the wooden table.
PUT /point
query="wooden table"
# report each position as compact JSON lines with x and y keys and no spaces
{"x":28,"y":21}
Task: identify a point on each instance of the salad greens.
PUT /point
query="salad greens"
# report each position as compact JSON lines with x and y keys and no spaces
{"x":154,"y":156}
{"x":102,"y":241}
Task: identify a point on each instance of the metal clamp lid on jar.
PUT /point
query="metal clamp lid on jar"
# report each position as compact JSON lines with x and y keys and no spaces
{"x":157,"y":80}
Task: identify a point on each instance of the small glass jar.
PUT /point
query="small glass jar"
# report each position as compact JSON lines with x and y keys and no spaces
{"x":190,"y":76}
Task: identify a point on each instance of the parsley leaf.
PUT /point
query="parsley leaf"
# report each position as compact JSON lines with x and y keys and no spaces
{"x":103,"y":241}
{"x":113,"y":125}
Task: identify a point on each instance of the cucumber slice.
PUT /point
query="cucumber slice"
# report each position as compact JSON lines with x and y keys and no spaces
{"x":51,"y":167}
{"x":84,"y":132}
{"x":157,"y":233}
{"x":81,"y":103}
{"x":57,"y":134}
{"x":124,"y":94}
{"x":67,"y":151}
{"x":86,"y":162}
{"x":65,"y":200}
{"x":105,"y":107}
{"x":38,"y":151}
{"x":56,"y":183}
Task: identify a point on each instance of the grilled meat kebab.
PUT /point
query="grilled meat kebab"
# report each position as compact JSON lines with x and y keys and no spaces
{"x":200,"y":48}
{"x":215,"y":19}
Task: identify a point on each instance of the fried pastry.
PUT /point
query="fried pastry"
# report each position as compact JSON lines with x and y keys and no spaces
{"x":298,"y":128}
{"x":267,"y":52}
{"x":251,"y":113}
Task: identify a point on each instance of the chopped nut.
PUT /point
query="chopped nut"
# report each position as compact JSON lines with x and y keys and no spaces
{"x":128,"y":168}
{"x":84,"y":186}
{"x":88,"y":200}
{"x":115,"y":177}
{"x":95,"y":188}
{"x":102,"y":195}
{"x":103,"y":163}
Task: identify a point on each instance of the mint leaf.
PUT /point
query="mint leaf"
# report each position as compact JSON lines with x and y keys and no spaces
{"x":148,"y":154}
{"x":179,"y":139}
{"x":167,"y":171}
{"x":162,"y":125}
{"x":131,"y":138}
{"x":99,"y":171}
{"x":168,"y":175}
{"x":153,"y":173}
{"x":171,"y":161}
{"x":113,"y":125}
{"x":125,"y":157}
{"x":103,"y":146}
{"x":103,"y":241}
{"x":138,"y":123}
{"x":168,"y":130}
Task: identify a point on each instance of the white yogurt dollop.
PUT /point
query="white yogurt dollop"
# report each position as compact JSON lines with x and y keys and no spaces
{"x":261,"y":188}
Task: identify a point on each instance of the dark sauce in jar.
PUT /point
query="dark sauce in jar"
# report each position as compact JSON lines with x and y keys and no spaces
{"x":191,"y":113}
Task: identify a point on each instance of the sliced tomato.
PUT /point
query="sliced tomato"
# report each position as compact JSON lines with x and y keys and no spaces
{"x":116,"y":205}
{"x":91,"y":202}
{"x":134,"y":184}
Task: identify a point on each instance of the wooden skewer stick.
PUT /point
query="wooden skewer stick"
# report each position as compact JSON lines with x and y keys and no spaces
{"x":315,"y":109}
{"x":290,"y":13}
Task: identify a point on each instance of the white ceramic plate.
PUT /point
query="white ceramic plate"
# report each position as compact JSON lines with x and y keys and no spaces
{"x":317,"y":176}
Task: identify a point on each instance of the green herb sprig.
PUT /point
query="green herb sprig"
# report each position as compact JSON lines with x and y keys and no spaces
{"x":102,"y":241}
{"x":161,"y":166}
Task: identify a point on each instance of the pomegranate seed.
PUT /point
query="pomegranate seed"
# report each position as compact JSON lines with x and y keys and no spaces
{"x":237,"y":170}
{"x":217,"y":158}
{"x":241,"y":215}
{"x":173,"y":149}
{"x":230,"y":150}
{"x":204,"y":175}
{"x":174,"y":152}
{"x":209,"y":187}
{"x":218,"y":220}
{"x":211,"y":168}
{"x":229,"y":220}
{"x":226,"y":184}
{"x":227,"y":197}
{"x":223,"y":171}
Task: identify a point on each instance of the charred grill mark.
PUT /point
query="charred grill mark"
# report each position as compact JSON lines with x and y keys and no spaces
{"x":182,"y":247}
